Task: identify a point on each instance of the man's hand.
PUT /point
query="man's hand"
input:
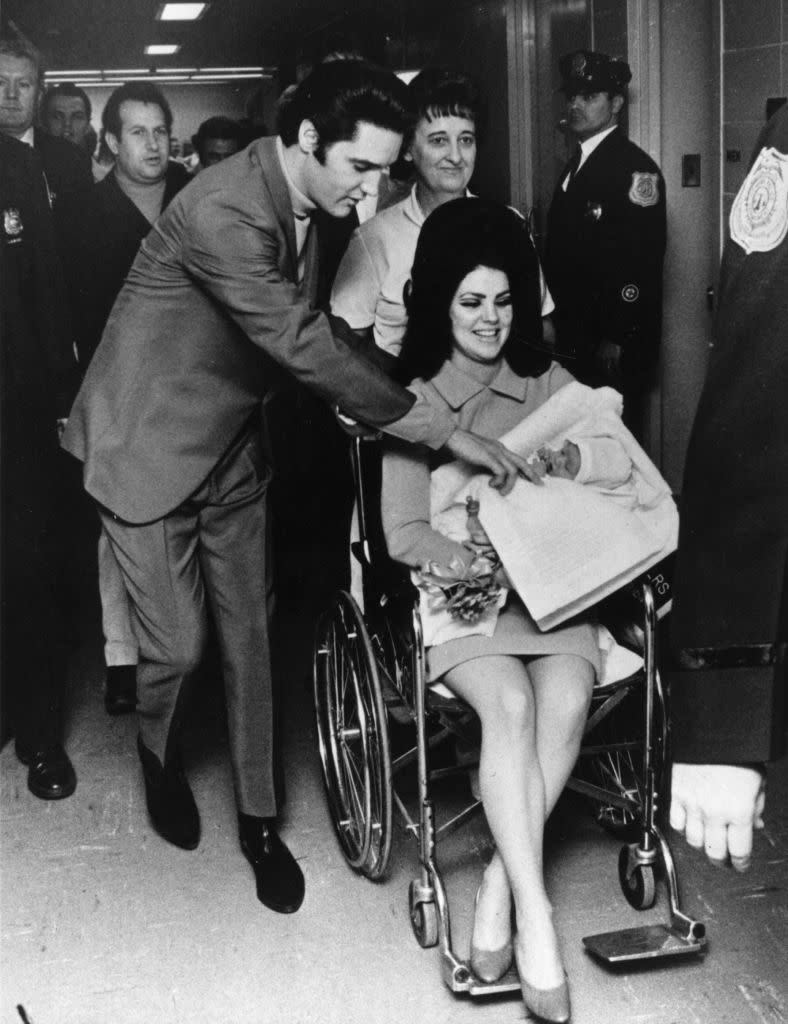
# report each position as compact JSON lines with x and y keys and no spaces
{"x":717,"y":806}
{"x":504,"y":465}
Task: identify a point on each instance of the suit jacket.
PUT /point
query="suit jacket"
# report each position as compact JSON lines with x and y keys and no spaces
{"x":210,"y":301}
{"x":67,"y":168}
{"x":605,"y":247}
{"x":103,"y":241}
{"x":37,"y":367}
{"x":730,"y":618}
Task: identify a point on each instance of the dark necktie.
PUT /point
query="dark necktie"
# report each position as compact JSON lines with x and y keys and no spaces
{"x":574,"y":163}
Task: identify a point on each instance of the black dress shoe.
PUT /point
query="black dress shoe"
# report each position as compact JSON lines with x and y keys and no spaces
{"x":120,"y":695}
{"x":280,"y":882}
{"x":173,"y":812}
{"x":50,"y":773}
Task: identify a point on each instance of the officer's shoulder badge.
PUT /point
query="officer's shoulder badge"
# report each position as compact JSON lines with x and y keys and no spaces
{"x":759,"y":216}
{"x":644,"y":190}
{"x":12,"y":222}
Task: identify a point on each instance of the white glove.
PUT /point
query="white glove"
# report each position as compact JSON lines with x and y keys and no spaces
{"x":717,"y":806}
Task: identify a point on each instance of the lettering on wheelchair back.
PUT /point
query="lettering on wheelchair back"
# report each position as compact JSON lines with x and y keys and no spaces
{"x":660,"y":577}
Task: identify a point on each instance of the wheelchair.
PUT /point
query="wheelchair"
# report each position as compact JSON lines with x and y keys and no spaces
{"x":370,"y":690}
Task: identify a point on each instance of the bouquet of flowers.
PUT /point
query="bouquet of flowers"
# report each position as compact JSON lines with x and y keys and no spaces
{"x":466,"y":592}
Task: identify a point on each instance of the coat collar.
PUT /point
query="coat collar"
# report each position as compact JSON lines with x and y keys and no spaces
{"x":457,"y":388}
{"x":264,"y":153}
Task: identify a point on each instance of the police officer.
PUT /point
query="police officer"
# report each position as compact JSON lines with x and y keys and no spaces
{"x":606,"y":238}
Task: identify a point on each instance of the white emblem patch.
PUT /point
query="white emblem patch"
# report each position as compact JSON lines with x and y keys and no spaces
{"x":630,"y":293}
{"x":759,"y":216}
{"x":12,"y":222}
{"x":644,"y":190}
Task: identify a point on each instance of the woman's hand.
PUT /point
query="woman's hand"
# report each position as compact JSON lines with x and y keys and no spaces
{"x":504,"y":465}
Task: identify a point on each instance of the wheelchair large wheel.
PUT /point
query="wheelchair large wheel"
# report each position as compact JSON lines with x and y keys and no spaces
{"x":353,"y":737}
{"x":618,"y":770}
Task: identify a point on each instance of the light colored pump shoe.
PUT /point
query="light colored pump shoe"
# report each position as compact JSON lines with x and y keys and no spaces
{"x":490,"y":964}
{"x":547,"y":1004}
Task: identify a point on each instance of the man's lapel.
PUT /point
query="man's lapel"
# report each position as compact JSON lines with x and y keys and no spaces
{"x":310,"y":284}
{"x":280,"y":197}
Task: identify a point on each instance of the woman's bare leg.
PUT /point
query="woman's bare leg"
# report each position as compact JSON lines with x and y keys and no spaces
{"x":510,"y":778}
{"x":549,"y":715}
{"x":562,"y":686}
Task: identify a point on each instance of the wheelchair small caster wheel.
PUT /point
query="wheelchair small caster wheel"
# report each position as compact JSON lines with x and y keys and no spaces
{"x":638,"y":885}
{"x":423,"y":920}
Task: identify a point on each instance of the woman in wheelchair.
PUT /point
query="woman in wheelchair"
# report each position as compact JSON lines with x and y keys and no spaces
{"x":473,"y":307}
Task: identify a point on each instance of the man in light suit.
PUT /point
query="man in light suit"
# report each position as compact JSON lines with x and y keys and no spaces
{"x":168,"y":426}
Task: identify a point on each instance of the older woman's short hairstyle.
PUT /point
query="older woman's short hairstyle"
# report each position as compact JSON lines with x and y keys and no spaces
{"x":444,"y":92}
{"x":456,"y":238}
{"x":139,"y":92}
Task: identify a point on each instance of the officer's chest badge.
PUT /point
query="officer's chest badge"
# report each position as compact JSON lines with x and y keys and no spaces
{"x":12,"y":223}
{"x":759,"y":216}
{"x":644,"y":190}
{"x":593,"y":210}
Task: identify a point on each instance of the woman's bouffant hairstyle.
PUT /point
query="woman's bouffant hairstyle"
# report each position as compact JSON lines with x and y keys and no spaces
{"x":456,"y":238}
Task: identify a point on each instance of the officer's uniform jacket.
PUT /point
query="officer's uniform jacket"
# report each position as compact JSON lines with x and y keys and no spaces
{"x":728,"y":625}
{"x":603,"y":260}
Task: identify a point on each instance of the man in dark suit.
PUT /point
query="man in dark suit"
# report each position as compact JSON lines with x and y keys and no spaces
{"x":606,"y":239}
{"x":38,"y":374}
{"x":168,"y":425}
{"x":729,"y":624}
{"x":104,"y":239}
{"x":67,"y":167}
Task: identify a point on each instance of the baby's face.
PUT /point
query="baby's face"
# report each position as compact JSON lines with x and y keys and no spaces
{"x":564,"y":463}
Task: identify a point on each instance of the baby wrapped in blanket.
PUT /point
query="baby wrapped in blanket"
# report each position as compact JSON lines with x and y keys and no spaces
{"x":603,"y":516}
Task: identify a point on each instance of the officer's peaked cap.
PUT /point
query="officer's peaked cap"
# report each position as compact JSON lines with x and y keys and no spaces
{"x":585,"y":71}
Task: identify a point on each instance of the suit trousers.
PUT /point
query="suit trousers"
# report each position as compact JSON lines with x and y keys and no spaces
{"x":120,"y":642}
{"x":211,"y":551}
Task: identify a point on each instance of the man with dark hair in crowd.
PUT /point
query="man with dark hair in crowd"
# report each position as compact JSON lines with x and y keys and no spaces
{"x":65,"y":114}
{"x":168,"y":425}
{"x":37,"y":372}
{"x":606,"y":239}
{"x":215,"y":140}
{"x":67,"y":168}
{"x":137,"y":121}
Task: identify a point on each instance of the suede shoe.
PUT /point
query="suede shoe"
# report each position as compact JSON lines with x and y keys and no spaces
{"x":280,"y":881}
{"x":120,"y":694}
{"x":50,"y":773}
{"x":173,"y":812}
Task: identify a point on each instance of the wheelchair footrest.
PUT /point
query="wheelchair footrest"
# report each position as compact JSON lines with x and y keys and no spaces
{"x":459,"y":977}
{"x":649,"y":942}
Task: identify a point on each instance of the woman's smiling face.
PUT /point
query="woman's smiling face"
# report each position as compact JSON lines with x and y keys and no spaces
{"x":481,"y":318}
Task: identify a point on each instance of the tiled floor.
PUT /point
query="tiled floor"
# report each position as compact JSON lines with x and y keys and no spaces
{"x":104,"y":923}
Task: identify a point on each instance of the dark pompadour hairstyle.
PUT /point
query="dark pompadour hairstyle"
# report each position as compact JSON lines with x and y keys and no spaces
{"x":339,"y":94}
{"x":217,"y":128}
{"x":140,"y":92}
{"x":443,"y":92}
{"x":456,"y":238}
{"x":66,"y":89}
